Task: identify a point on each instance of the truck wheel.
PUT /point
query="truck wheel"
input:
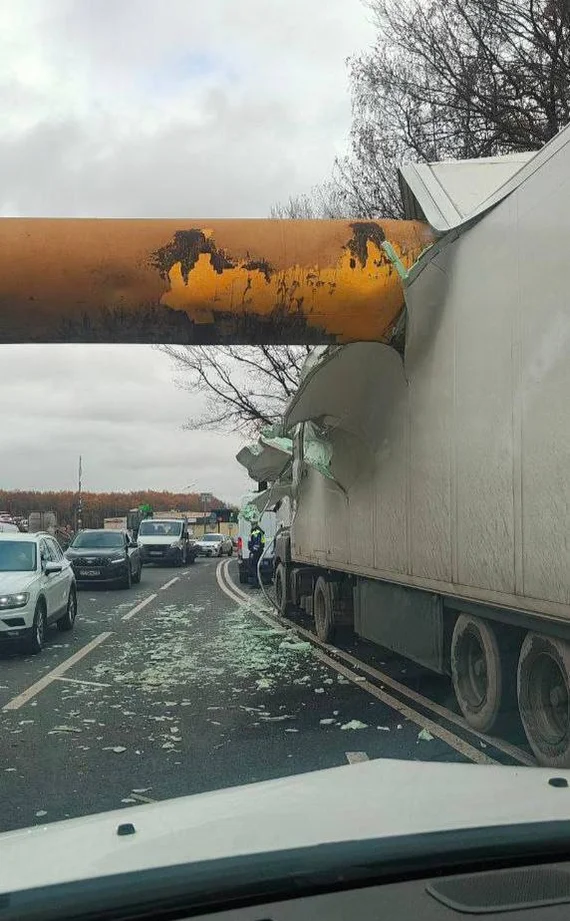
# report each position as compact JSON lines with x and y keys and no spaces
{"x":243,"y":572}
{"x":543,"y":679}
{"x":323,"y":610}
{"x":476,"y":671}
{"x":281,"y":593}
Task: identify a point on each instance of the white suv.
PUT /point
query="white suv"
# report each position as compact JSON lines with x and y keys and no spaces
{"x":37,"y":588}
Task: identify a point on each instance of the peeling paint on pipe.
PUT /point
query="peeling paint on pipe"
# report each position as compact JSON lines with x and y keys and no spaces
{"x":224,"y":281}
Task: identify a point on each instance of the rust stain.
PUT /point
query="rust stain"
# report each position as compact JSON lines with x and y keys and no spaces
{"x":356,"y":295}
{"x":214,"y":281}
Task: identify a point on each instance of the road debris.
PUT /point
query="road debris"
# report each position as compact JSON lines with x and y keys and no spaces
{"x":354,"y":724}
{"x":64,"y":729}
{"x":301,"y":646}
{"x":424,"y":736}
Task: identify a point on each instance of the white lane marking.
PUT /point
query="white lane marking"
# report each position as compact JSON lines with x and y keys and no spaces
{"x":454,"y":741}
{"x":236,"y":595}
{"x":513,"y":751}
{"x":139,"y":607}
{"x":141,"y":799}
{"x":356,"y":757}
{"x":168,"y":584}
{"x":92,"y":684}
{"x":56,"y":672}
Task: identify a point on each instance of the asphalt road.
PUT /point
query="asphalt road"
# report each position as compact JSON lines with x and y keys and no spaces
{"x":174,"y":687}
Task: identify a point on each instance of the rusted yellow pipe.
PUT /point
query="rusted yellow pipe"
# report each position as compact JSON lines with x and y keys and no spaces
{"x":202,"y":281}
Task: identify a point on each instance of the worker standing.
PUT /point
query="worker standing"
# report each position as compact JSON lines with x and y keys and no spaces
{"x":256,"y":545}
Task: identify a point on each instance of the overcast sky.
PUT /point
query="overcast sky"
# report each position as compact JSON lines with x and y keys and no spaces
{"x":160,"y":109}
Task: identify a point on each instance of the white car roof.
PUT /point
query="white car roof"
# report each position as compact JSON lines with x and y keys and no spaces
{"x":22,"y":535}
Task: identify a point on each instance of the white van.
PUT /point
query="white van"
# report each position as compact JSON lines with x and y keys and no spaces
{"x":166,"y":540}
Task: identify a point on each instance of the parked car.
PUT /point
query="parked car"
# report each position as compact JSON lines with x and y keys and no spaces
{"x":8,"y":527}
{"x":166,"y":540}
{"x":215,"y":545}
{"x":107,"y":557}
{"x":37,"y":588}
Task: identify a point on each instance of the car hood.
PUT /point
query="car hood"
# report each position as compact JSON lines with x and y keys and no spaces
{"x":210,"y":543}
{"x":93,"y":553}
{"x":375,"y":799}
{"x":13,"y":582}
{"x":158,"y":540}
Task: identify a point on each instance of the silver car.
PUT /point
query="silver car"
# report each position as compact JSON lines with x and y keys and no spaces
{"x":215,"y":545}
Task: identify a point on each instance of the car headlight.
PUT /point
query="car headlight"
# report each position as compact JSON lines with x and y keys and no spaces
{"x":117,"y":559}
{"x":14,"y":601}
{"x":175,"y":545}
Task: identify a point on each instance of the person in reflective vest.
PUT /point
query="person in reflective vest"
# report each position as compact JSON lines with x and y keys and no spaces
{"x":256,"y":545}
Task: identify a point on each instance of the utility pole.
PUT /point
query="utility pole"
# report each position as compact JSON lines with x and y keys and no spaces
{"x":205,"y":500}
{"x":79,"y":498}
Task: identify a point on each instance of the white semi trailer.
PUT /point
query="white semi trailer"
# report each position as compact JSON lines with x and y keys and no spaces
{"x":439,"y":522}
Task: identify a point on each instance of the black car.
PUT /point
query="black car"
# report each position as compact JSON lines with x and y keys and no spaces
{"x":108,"y":557}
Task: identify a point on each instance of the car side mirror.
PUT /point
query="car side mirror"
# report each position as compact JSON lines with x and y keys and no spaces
{"x":52,"y":568}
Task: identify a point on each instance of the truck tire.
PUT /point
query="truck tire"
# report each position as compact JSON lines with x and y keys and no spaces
{"x":543,"y":681}
{"x":243,"y":572}
{"x":281,"y":589}
{"x":476,"y":671}
{"x":323,"y":610}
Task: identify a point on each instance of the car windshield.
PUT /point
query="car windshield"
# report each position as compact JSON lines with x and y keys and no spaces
{"x":212,"y":538}
{"x":98,"y":540}
{"x":17,"y":556}
{"x":160,"y":529}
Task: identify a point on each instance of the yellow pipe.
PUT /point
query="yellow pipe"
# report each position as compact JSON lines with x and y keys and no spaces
{"x":202,"y":281}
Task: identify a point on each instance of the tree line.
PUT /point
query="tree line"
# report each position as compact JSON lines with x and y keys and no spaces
{"x":96,"y":506}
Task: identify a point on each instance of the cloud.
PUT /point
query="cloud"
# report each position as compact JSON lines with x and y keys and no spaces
{"x":190,"y":109}
{"x":118,"y":407}
{"x":146,"y":108}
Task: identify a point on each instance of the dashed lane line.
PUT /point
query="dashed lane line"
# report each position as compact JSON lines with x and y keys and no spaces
{"x":139,"y":607}
{"x":56,"y":672}
{"x":168,"y":584}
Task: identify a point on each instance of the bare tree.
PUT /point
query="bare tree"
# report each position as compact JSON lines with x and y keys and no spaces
{"x":324,"y":201}
{"x":451,"y":79}
{"x":455,"y":79}
{"x":246,"y":387}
